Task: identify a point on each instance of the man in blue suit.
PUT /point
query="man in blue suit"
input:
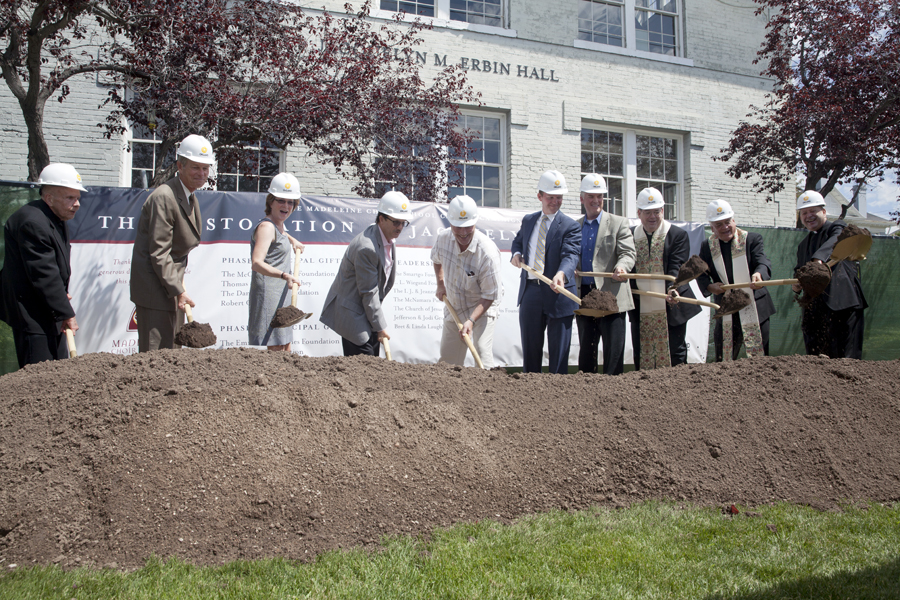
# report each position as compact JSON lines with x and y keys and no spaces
{"x":549,"y":242}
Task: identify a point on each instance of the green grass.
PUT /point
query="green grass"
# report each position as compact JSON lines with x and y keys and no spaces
{"x":652,"y":550}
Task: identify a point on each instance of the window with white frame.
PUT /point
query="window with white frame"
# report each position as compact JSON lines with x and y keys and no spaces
{"x":251,"y":171}
{"x":481,"y":176}
{"x":630,"y":161}
{"x":146,"y":157}
{"x":479,"y":12}
{"x":644,"y":25}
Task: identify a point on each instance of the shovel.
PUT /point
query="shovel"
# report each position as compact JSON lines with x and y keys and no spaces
{"x":466,"y":337}
{"x":70,"y":342}
{"x":387,"y":349}
{"x":194,"y":335}
{"x":693,"y":268}
{"x":854,"y":248}
{"x":288,"y":316}
{"x":677,"y":298}
{"x":627,"y":275}
{"x":541,"y":277}
{"x":734,"y":286}
{"x":733,"y":301}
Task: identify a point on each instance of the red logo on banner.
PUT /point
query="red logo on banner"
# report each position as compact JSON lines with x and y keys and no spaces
{"x":132,"y":323}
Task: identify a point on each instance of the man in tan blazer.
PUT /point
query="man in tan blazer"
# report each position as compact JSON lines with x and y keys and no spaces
{"x":607,"y":246}
{"x":169,"y":228}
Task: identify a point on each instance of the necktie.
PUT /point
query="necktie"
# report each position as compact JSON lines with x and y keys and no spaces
{"x":541,"y":250}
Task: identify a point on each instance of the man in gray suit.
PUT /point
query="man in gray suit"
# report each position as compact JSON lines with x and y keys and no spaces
{"x":169,"y":228}
{"x":366,"y":275}
{"x":607,"y":246}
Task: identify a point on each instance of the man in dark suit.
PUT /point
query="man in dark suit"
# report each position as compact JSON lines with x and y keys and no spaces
{"x":736,"y":256}
{"x":353,"y":305}
{"x":169,"y":228}
{"x":833,"y":322}
{"x":659,"y":327}
{"x":549,"y":242}
{"x":34,"y":282}
{"x":607,"y":246}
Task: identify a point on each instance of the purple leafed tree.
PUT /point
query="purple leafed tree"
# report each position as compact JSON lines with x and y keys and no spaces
{"x":834,"y":113}
{"x":342,"y":87}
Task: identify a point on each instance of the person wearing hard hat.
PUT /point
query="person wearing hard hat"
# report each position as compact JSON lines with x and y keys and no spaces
{"x":549,"y":242}
{"x":365,"y":277}
{"x":659,"y":327}
{"x":271,"y":280}
{"x":168,"y":229}
{"x":467,"y":267}
{"x":34,"y":283}
{"x":833,"y":322}
{"x":607,"y":246}
{"x":736,"y":256}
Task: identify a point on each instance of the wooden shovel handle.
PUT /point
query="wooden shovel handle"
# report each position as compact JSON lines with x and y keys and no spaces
{"x":541,"y":276}
{"x":677,"y":298}
{"x":70,"y":342}
{"x":387,"y":349}
{"x":734,"y":286}
{"x":659,"y":277}
{"x":295,"y":287}
{"x":465,"y":336}
{"x":189,"y":313}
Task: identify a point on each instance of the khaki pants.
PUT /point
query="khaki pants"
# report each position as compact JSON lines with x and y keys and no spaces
{"x":157,"y":328}
{"x":454,"y":349}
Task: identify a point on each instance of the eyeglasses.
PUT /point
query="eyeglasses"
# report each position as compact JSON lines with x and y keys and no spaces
{"x":396,"y":222}
{"x":293,"y":203}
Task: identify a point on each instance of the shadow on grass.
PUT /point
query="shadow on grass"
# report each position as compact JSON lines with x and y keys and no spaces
{"x":873,"y":583}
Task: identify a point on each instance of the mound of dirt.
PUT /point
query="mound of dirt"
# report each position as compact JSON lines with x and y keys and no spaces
{"x":814,"y":278}
{"x":195,"y":335}
{"x":600,"y":300}
{"x":693,"y":268}
{"x":732,"y":302}
{"x":287,"y":316}
{"x":218,"y":455}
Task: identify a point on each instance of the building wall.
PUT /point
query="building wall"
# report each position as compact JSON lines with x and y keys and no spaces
{"x":550,"y":90}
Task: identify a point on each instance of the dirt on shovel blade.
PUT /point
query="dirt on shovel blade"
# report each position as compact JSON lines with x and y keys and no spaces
{"x":692,"y":269}
{"x":814,"y":278}
{"x":195,"y":335}
{"x":600,"y":300}
{"x":852,"y":231}
{"x":732,"y":302}
{"x":286,"y":316}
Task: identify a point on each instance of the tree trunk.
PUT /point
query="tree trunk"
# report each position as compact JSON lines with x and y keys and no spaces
{"x":38,"y":155}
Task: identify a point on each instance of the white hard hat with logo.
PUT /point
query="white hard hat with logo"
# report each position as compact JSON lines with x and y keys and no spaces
{"x":196,"y":148}
{"x":463,"y":212}
{"x":718,"y":210}
{"x":593,"y":183}
{"x":285,"y":185}
{"x":62,"y":175}
{"x":810,"y":198}
{"x":552,"y":182}
{"x":650,"y":198}
{"x":395,"y":204}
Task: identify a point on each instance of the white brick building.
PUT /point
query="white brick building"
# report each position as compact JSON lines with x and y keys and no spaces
{"x":643,"y":91}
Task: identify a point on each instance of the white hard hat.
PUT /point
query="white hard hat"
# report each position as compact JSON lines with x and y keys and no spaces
{"x":552,"y":182}
{"x":650,"y":198}
{"x":718,"y":210}
{"x":62,"y":175}
{"x":285,"y":185}
{"x":463,"y":212}
{"x":196,"y":148}
{"x":810,"y":198}
{"x":395,"y":204}
{"x":593,"y":183}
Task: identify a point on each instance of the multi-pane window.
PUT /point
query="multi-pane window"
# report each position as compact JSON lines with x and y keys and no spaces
{"x":603,"y":152}
{"x":654,"y":24}
{"x":146,"y":157}
{"x":251,"y":171}
{"x":401,"y":162}
{"x":602,"y":22}
{"x":644,"y":25}
{"x":480,"y":177}
{"x":631,"y":161}
{"x":657,"y":166}
{"x":478,"y":12}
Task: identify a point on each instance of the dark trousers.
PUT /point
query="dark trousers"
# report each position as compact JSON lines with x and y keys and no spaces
{"x":372,"y":347}
{"x":611,"y":331}
{"x":677,"y":343}
{"x":33,"y":348}
{"x":157,"y":328}
{"x":738,"y":337}
{"x":533,"y":322}
{"x":839,"y":334}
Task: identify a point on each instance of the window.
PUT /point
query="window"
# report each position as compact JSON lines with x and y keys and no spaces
{"x":637,"y":25}
{"x":251,"y":170}
{"x":631,"y":161}
{"x":481,"y":174}
{"x":145,"y":156}
{"x":477,"y":12}
{"x":402,"y":163}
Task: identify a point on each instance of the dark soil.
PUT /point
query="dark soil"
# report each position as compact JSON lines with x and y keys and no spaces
{"x":690,"y":270}
{"x":287,"y":316}
{"x":852,"y":230}
{"x":814,"y":278}
{"x":195,"y":335}
{"x":600,"y":300}
{"x":218,"y":455}
{"x":732,"y":302}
